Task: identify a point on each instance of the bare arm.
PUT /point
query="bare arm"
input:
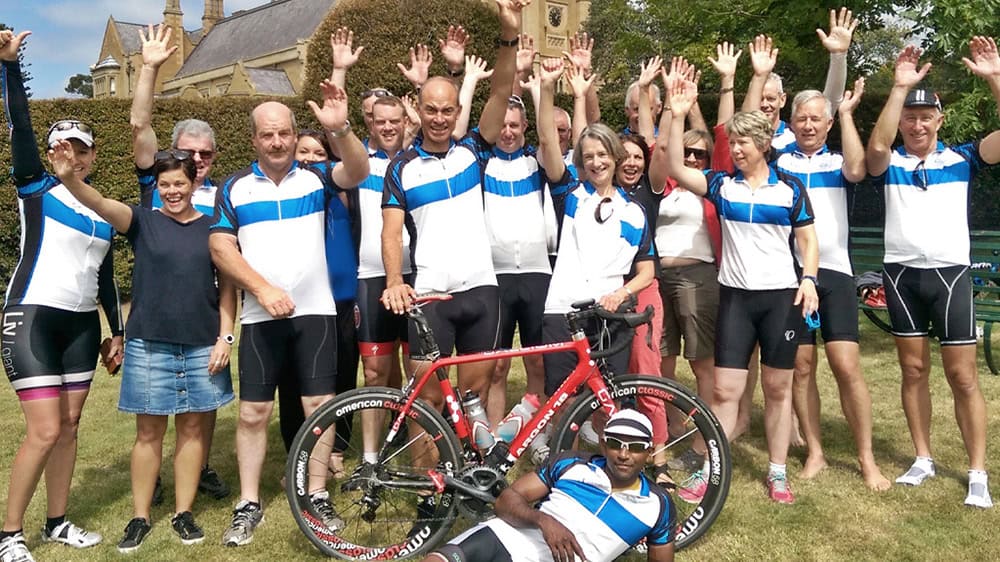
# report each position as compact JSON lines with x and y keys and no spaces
{"x":230,"y":262}
{"x":475,"y":70}
{"x":905,"y":77}
{"x":156,"y":50}
{"x":515,"y":506}
{"x":397,"y":296}
{"x":525,"y":62}
{"x":649,"y":71}
{"x":453,"y":50}
{"x":501,"y":86}
{"x":842,"y":27}
{"x":220,"y":355}
{"x":695,"y":118}
{"x":644,"y":272}
{"x":332,"y":116}
{"x":763,"y":58}
{"x":725,"y":64}
{"x":805,"y":241}
{"x":985,"y":63}
{"x":581,"y":51}
{"x":658,"y":158}
{"x":63,"y":161}
{"x":682,"y":96}
{"x":548,"y":138}
{"x":420,"y":64}
{"x":854,"y":150}
{"x":342,"y":55}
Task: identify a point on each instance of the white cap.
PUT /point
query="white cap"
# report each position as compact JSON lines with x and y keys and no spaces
{"x":629,"y":423}
{"x":72,"y":130}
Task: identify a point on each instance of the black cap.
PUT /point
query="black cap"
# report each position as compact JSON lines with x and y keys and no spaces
{"x":922,"y":97}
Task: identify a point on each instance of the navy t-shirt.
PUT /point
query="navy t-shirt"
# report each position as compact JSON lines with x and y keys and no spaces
{"x":174,"y":294}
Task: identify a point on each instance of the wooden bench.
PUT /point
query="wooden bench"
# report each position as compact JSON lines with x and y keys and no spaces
{"x":867,"y":250}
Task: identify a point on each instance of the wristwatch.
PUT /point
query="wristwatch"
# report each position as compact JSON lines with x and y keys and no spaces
{"x":342,"y":132}
{"x":228,"y":338}
{"x":811,"y":278}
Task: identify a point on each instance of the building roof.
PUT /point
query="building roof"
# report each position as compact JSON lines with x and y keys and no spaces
{"x":270,"y":82}
{"x":108,"y":62}
{"x":246,"y":35}
{"x":128,"y":33}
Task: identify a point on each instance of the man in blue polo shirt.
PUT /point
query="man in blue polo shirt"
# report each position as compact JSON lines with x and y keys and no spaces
{"x":926,"y":271}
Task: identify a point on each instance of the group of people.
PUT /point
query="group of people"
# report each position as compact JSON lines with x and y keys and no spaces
{"x":736,"y":234}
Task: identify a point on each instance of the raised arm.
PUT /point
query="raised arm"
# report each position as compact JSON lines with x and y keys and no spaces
{"x":725,"y":64}
{"x":453,"y":50}
{"x":695,"y":118}
{"x":412,"y":121}
{"x":682,"y":96}
{"x":525,"y":62}
{"x":649,"y":70}
{"x":854,"y":150}
{"x":475,"y":71}
{"x":906,"y":76}
{"x":26,"y":165}
{"x":581,"y":86}
{"x":343,"y":55}
{"x":581,"y":55}
{"x":64,"y":163}
{"x":658,"y":158}
{"x":420,"y":64}
{"x":332,"y":116}
{"x":548,"y":138}
{"x":762,"y":58}
{"x":837,"y":42}
{"x":156,"y":50}
{"x":985,"y":63}
{"x":501,"y":85}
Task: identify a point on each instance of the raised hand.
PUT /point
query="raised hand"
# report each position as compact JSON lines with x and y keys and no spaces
{"x":526,"y":55}
{"x":907,"y":74}
{"x":475,"y":68}
{"x":578,"y":81}
{"x":580,"y":54}
{"x":332,"y":116}
{"x":683,"y":95}
{"x":852,"y":97}
{"x":410,"y":107}
{"x":156,"y":47}
{"x":726,"y":57}
{"x":763,"y":56}
{"x":62,"y":157}
{"x":420,"y":64}
{"x":680,"y":68}
{"x":550,"y":71}
{"x":649,"y":71}
{"x":10,"y":43}
{"x":985,"y":61}
{"x":341,"y":53}
{"x":532,"y":84}
{"x":842,"y":28}
{"x":510,"y":14}
{"x":453,"y":47}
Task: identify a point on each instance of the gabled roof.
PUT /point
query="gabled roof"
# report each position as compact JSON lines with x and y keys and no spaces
{"x":252,"y":33}
{"x":128,"y":33}
{"x":270,"y":82}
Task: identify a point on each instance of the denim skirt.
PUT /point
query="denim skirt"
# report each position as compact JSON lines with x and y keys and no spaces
{"x":161,"y":379}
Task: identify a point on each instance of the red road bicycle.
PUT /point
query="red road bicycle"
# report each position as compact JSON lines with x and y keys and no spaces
{"x":425,"y":453}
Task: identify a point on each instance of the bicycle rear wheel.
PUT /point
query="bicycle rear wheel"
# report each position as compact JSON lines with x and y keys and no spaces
{"x":377,"y":502}
{"x":664,"y":395}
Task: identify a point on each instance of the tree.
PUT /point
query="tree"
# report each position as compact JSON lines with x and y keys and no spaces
{"x":81,"y":84}
{"x":25,"y":75}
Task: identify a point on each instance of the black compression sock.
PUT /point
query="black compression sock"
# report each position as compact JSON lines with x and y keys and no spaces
{"x":52,"y":522}
{"x":5,"y":534}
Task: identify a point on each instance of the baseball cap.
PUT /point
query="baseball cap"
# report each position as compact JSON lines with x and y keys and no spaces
{"x":922,"y":97}
{"x":629,"y":423}
{"x":69,"y":129}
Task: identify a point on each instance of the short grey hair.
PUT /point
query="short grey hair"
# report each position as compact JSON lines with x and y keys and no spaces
{"x":192,"y":128}
{"x":634,"y":88}
{"x":806,"y":96}
{"x":778,"y":80}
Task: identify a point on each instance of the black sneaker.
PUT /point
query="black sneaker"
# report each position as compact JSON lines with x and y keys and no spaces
{"x":211,"y":484}
{"x":426,"y":509}
{"x":321,"y":503}
{"x":185,"y":527}
{"x":158,"y":491}
{"x":135,"y":532}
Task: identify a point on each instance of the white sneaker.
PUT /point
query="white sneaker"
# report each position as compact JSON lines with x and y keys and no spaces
{"x":69,"y":534}
{"x":539,"y":449}
{"x":917,"y":473}
{"x":13,"y":549}
{"x":979,"y":495}
{"x":588,"y":435}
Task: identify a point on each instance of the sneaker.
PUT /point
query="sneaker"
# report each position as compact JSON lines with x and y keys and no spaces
{"x":688,"y":461}
{"x":185,"y":527}
{"x":539,"y":449}
{"x":426,"y":509}
{"x":135,"y":532}
{"x":979,"y":496}
{"x":13,"y":549}
{"x":778,"y":488}
{"x":588,"y":435}
{"x":158,"y":491}
{"x":693,"y":489}
{"x":321,"y":503}
{"x":211,"y":484}
{"x":246,"y":517}
{"x":68,"y":533}
{"x":916,"y":475}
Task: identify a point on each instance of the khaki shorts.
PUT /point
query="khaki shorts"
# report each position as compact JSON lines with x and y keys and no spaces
{"x":690,"y":296}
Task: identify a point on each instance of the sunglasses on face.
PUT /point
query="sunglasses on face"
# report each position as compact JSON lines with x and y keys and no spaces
{"x":698,"y":153}
{"x":599,"y":213}
{"x":616,"y":444}
{"x":70,"y":124}
{"x":173,"y":153}
{"x":377,"y":92}
{"x":203,"y":154}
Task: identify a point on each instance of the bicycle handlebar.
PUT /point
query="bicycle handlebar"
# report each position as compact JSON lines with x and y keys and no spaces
{"x":589,"y":309}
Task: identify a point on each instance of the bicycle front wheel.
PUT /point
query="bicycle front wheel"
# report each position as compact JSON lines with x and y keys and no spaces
{"x":390,"y":509}
{"x":581,"y":425}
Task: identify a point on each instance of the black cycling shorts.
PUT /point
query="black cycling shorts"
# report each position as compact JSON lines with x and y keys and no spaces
{"x":468,"y":323}
{"x":48,"y":350}
{"x":920,"y":298}
{"x":558,"y":366}
{"x":838,"y":309}
{"x":475,"y":545}
{"x":378,"y":328}
{"x":304,"y":347}
{"x":747,"y":318}
{"x":522,"y":304}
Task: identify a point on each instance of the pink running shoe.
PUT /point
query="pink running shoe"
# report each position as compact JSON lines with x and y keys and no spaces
{"x":778,"y":489}
{"x":693,"y":488}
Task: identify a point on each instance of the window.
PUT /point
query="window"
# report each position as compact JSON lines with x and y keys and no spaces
{"x":111,"y":86}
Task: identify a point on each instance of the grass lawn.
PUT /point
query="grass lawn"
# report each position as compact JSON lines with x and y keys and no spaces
{"x":835,"y":516}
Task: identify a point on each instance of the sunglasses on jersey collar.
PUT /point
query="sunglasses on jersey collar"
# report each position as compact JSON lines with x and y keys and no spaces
{"x":920,"y":176}
{"x":616,"y":444}
{"x":602,"y":216}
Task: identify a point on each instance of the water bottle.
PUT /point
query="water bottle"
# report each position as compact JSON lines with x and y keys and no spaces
{"x":477,"y":419}
{"x":519,"y":415}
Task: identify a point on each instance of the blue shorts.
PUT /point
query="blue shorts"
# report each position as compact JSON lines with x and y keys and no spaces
{"x":162,"y":379}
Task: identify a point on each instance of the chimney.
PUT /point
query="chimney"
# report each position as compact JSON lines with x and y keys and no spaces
{"x":213,"y":13}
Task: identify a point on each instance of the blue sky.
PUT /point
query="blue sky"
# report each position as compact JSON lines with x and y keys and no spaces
{"x":66,"y":34}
